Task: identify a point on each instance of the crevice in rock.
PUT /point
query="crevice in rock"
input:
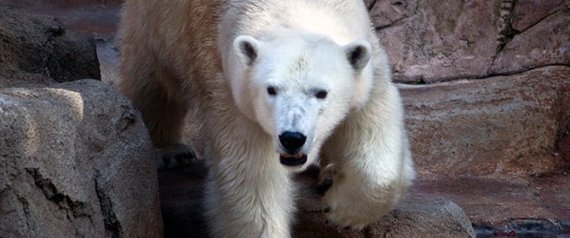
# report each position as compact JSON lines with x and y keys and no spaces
{"x":5,"y":189}
{"x":538,"y":22}
{"x":371,"y":5}
{"x":26,"y":209}
{"x":112,"y":225}
{"x":504,"y":25}
{"x":422,"y":81}
{"x":78,"y":209}
{"x":394,"y":23}
{"x":509,"y":33}
{"x":505,"y":29}
{"x":127,"y":119}
{"x":515,"y":72}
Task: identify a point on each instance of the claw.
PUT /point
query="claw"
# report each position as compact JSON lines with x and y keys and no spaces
{"x":321,"y":189}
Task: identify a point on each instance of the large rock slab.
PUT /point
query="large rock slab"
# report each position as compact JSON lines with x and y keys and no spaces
{"x":513,"y":206}
{"x":39,"y":46}
{"x":497,"y":126}
{"x":431,"y":41}
{"x":75,"y":160}
{"x":545,"y":42}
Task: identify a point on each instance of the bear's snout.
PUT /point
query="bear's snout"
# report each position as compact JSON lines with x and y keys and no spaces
{"x":292,"y":142}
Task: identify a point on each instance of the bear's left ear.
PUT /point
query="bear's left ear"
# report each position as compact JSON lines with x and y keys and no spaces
{"x":247,"y":49}
{"x":358,"y":54}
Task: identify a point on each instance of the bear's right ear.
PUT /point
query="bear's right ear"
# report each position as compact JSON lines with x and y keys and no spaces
{"x":247,"y":49}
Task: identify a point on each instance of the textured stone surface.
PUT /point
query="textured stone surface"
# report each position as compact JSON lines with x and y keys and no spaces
{"x":499,"y":199}
{"x":75,"y":161}
{"x":40,"y":45}
{"x":516,"y":206}
{"x":424,"y":218}
{"x":496,"y":126}
{"x":431,"y":41}
{"x":97,"y":17}
{"x":75,"y":158}
{"x":547,"y":42}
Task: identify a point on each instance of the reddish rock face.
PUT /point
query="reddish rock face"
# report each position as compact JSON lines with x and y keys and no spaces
{"x":431,"y":41}
{"x":546,"y":42}
{"x":496,"y":126}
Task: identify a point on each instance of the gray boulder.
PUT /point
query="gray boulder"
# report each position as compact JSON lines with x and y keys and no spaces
{"x":75,"y":161}
{"x":75,"y":157}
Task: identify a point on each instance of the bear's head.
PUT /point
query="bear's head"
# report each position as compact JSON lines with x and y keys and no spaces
{"x":299,"y":88}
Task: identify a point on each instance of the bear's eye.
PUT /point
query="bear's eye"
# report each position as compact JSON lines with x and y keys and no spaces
{"x":271,"y":91}
{"x":321,"y":94}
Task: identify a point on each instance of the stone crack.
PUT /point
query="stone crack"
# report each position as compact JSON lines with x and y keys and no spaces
{"x":112,"y":225}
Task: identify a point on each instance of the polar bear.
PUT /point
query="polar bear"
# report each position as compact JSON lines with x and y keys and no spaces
{"x":276,"y":85}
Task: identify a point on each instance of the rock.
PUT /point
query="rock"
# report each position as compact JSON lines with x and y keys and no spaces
{"x":524,"y":227}
{"x":75,"y":160}
{"x":75,"y":157}
{"x":546,"y":42}
{"x":496,"y":126}
{"x":413,"y":217}
{"x":109,"y":61}
{"x":527,"y":13}
{"x":500,"y":200}
{"x":424,"y":218}
{"x":432,"y":41}
{"x":99,"y":18}
{"x":40,"y":45}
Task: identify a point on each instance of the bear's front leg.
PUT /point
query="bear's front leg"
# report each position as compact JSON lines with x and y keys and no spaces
{"x":249,"y":196}
{"x":371,"y":162}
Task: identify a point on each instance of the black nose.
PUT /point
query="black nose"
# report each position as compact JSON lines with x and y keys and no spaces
{"x":292,"y":141}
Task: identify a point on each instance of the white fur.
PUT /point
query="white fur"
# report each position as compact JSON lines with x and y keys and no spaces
{"x":177,"y":53}
{"x":301,"y":47}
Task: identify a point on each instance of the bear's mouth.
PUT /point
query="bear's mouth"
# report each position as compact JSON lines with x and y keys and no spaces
{"x":292,"y":160}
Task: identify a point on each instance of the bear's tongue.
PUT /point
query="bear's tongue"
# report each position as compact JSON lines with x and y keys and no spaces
{"x":292,"y":160}
{"x":295,"y":156}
